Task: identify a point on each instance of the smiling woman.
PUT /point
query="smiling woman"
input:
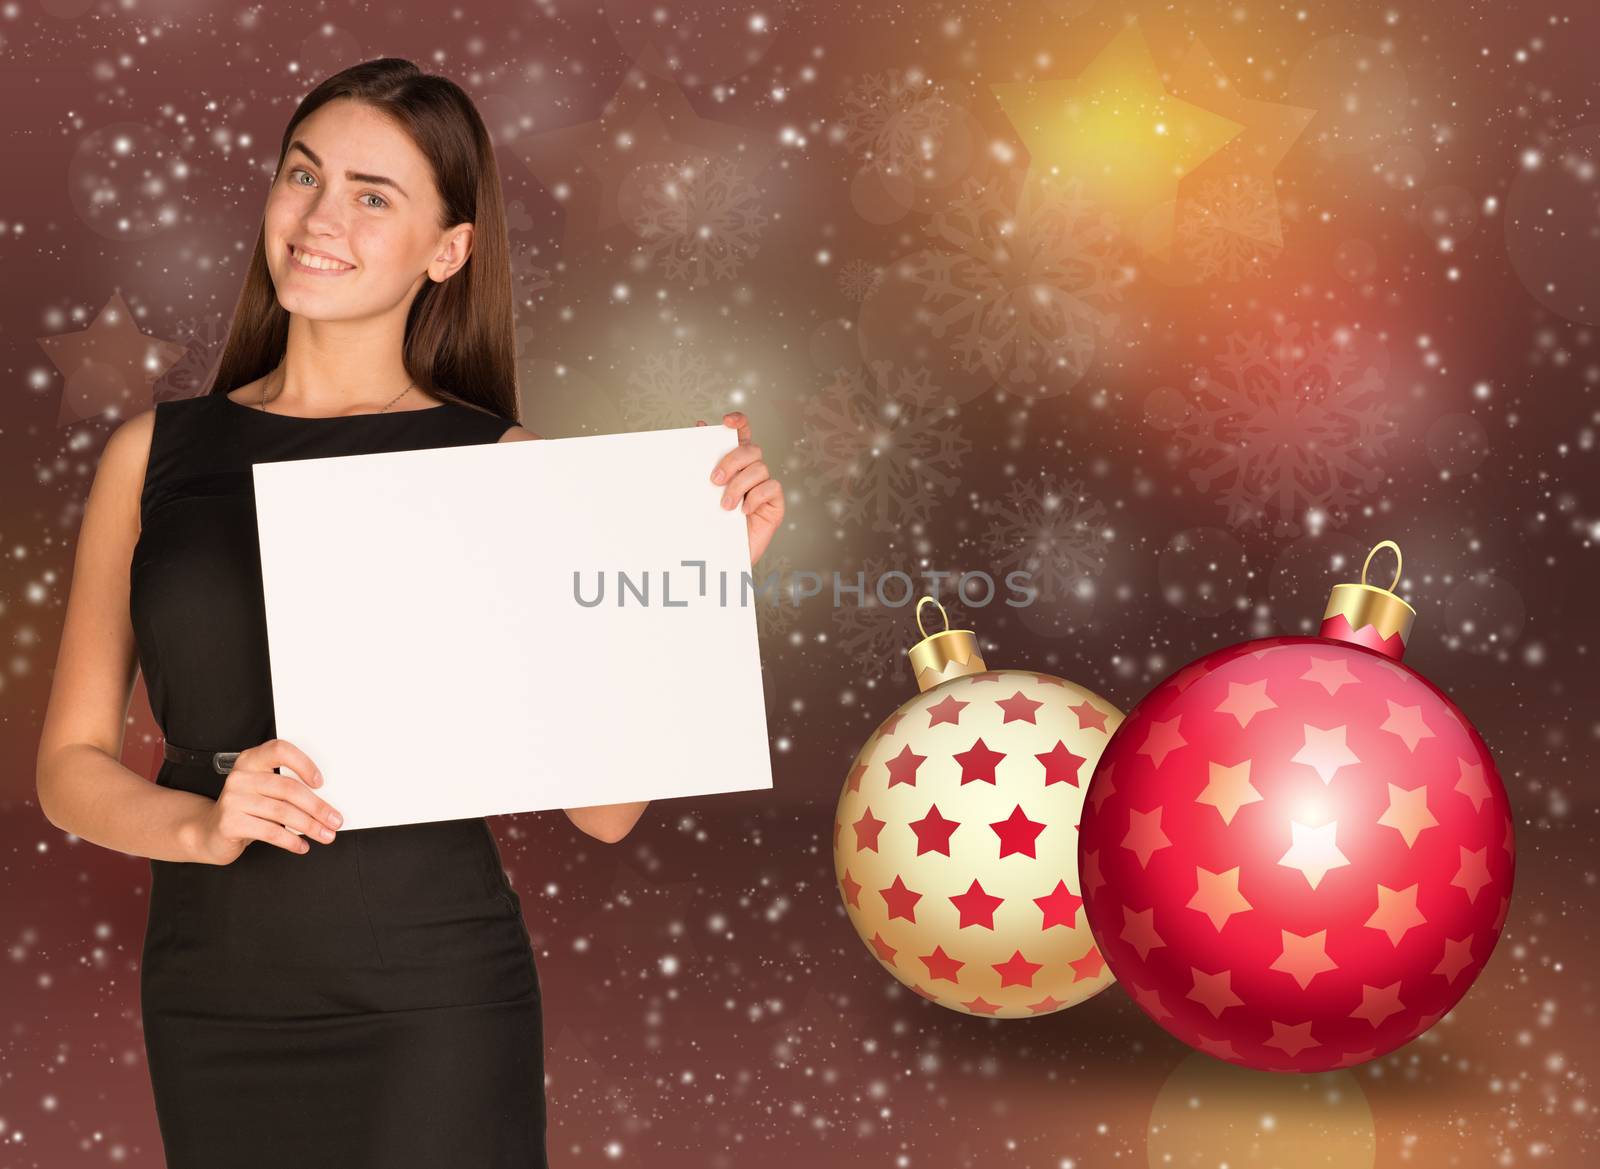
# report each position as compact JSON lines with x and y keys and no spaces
{"x":382,"y":260}
{"x":359,"y":999}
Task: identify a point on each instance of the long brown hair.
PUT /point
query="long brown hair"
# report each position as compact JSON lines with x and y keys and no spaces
{"x":460,"y":342}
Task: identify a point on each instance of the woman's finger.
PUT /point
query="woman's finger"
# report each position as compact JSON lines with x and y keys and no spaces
{"x":737,"y":420}
{"x":292,"y":791}
{"x":755,"y":473}
{"x":281,"y":753}
{"x":285,"y":813}
{"x":740,"y":456}
{"x":277,"y":834}
{"x":238,"y":824}
{"x":760,"y":493}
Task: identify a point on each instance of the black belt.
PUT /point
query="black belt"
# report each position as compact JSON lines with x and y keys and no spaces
{"x":219,"y":761}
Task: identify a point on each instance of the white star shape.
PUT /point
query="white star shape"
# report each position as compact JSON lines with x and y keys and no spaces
{"x":1325,"y":751}
{"x":1313,"y":850}
{"x":1406,"y":723}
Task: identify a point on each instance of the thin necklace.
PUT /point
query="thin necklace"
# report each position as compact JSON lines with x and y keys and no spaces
{"x":392,"y":401}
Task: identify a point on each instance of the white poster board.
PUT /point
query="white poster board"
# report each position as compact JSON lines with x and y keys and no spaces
{"x":429,"y":651}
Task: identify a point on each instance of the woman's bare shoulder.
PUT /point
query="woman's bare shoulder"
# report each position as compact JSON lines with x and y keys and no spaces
{"x":119,"y":476}
{"x":519,"y":434}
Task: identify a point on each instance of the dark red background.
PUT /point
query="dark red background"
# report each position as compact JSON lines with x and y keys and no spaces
{"x":778,"y":1040}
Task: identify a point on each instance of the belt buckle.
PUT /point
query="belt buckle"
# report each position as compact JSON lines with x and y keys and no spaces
{"x":222,"y":761}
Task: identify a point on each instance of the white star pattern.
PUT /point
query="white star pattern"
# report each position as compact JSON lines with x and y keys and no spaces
{"x":1406,"y":722}
{"x":1313,"y":851}
{"x":1325,"y":751}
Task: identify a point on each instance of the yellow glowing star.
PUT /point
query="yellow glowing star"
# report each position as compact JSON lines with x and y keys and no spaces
{"x":1117,"y":130}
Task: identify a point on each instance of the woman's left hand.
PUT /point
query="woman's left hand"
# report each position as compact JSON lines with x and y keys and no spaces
{"x":747,"y":485}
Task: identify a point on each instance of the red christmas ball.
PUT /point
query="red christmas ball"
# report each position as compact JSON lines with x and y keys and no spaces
{"x":1296,"y":852}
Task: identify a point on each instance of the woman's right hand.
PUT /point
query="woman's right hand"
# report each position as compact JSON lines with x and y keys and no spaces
{"x":257,"y":803}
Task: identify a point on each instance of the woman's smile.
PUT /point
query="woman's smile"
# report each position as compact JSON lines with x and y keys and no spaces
{"x":317,"y":264}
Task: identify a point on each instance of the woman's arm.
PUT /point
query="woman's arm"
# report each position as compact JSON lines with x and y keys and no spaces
{"x":83,"y":788}
{"x":607,"y":822}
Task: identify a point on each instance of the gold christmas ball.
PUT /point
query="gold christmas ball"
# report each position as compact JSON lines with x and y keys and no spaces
{"x":955,"y":843}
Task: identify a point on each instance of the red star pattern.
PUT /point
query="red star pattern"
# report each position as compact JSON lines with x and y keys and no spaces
{"x":903,"y":767}
{"x":856,"y":772}
{"x":885,"y":951}
{"x":1300,"y":858}
{"x":1018,"y":706}
{"x":1060,"y":907}
{"x":941,"y":965}
{"x":1089,"y":966}
{"x":1060,"y":765}
{"x":1089,"y":717}
{"x":946,"y":710}
{"x":933,"y":832}
{"x":851,"y":889}
{"x":1017,"y":833}
{"x":901,"y":902}
{"x":1017,"y":970}
{"x":867,"y":829}
{"x":978,"y":762}
{"x":976,"y":907}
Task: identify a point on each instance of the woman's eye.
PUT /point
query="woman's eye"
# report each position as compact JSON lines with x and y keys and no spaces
{"x":381,"y":200}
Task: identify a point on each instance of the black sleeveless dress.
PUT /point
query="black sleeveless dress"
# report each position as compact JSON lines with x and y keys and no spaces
{"x":369,"y":1004}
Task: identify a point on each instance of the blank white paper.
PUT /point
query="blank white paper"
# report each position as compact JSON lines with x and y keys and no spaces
{"x":429,"y":653}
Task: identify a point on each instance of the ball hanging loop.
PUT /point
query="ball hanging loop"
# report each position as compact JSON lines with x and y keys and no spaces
{"x":949,"y":653}
{"x":1399,"y":562}
{"x":1367,"y":615}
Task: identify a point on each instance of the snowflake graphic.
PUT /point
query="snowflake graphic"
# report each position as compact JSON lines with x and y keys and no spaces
{"x":527,"y":338}
{"x":1230,"y":228}
{"x":885,"y":439}
{"x":875,"y":636}
{"x":1024,"y":292}
{"x":1285,"y":427}
{"x":895,"y":120}
{"x":1053,"y":531}
{"x":530,"y":278}
{"x":858,"y":278}
{"x":698,"y":220}
{"x":203,"y":338}
{"x":778,"y":609}
{"x":674,"y":388}
{"x":518,"y":217}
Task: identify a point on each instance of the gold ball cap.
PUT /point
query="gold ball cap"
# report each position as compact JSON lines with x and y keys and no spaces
{"x":1367,"y":604}
{"x":947,"y":654}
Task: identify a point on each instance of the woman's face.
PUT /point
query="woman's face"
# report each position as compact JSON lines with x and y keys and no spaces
{"x":354,"y":187}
